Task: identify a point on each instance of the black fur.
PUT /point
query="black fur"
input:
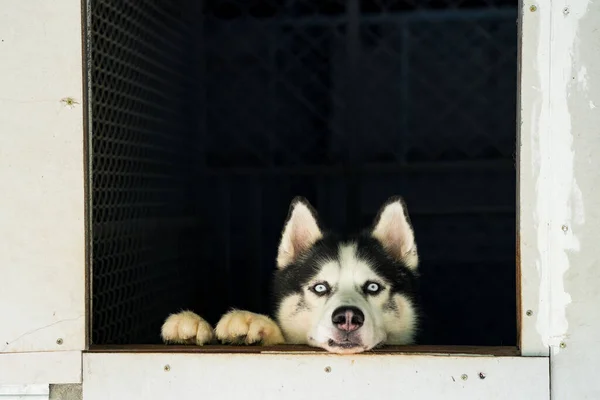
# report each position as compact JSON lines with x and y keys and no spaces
{"x":292,"y":278}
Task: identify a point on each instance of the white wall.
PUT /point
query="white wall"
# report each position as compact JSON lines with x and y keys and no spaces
{"x":42,"y":224}
{"x":305,"y":376}
{"x":575,"y":126}
{"x":42,"y":245}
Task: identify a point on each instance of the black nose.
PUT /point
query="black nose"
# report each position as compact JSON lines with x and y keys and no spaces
{"x":348,"y":318}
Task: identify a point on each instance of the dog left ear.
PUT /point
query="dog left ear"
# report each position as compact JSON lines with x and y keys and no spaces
{"x":392,"y":228}
{"x":300,"y":232}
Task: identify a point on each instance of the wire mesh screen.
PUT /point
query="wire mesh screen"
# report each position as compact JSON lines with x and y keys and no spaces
{"x":143,"y":127}
{"x":208,"y":117}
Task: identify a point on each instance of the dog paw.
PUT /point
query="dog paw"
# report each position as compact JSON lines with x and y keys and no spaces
{"x":244,"y":327}
{"x":186,"y":328}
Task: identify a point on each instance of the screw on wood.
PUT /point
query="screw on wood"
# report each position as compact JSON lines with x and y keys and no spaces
{"x":167,"y":368}
{"x":529,"y":313}
{"x":563,"y":345}
{"x":481,"y":375}
{"x":328,"y":369}
{"x":464,"y":377}
{"x":59,"y":341}
{"x":533,"y":8}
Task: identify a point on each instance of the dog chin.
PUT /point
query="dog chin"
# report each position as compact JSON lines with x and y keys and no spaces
{"x":343,"y":347}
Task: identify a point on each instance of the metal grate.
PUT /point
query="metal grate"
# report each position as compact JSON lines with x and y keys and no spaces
{"x":207,"y":117}
{"x":142,"y":130}
{"x":435,"y":84}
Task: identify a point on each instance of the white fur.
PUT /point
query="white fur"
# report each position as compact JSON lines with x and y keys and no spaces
{"x":245,"y":327}
{"x":396,"y":235}
{"x":305,"y":318}
{"x":401,"y":330}
{"x":294,"y":324}
{"x":236,"y":326}
{"x":186,"y":328}
{"x":313,"y":325}
{"x":300,"y":232}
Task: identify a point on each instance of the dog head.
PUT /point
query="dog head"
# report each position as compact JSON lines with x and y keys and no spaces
{"x":347,"y":294}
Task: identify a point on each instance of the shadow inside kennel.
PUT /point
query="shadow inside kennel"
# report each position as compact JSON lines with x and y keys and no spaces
{"x":207,"y":118}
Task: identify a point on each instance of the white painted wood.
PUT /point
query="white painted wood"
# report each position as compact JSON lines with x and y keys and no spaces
{"x":534,"y":216}
{"x":42,"y":250}
{"x":574,"y":81}
{"x":24,"y":392}
{"x":40,"y":368}
{"x":290,"y":377}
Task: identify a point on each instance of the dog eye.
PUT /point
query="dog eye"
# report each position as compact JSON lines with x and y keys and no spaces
{"x":320,"y":288}
{"x":372,"y":288}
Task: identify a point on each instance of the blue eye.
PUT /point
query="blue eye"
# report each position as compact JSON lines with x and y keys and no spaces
{"x":372,"y":288}
{"x":320,"y":289}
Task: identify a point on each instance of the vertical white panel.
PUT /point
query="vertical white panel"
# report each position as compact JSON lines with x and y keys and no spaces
{"x":42,"y":246}
{"x":575,"y":135}
{"x":533,"y":217}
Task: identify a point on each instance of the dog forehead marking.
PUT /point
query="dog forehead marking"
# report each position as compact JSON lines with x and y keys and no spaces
{"x":348,"y":270}
{"x":353,"y":269}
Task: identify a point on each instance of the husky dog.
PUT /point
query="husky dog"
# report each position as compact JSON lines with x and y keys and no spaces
{"x":343,"y":294}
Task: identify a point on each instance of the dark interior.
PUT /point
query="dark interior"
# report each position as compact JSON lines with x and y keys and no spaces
{"x":207,"y":118}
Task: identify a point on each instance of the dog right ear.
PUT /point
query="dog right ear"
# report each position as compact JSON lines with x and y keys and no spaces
{"x":300,"y":232}
{"x":392,"y":228}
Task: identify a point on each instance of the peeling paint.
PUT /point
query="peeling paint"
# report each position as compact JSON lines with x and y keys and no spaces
{"x":553,"y":157}
{"x":582,"y":80}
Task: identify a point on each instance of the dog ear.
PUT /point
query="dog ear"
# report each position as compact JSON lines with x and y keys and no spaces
{"x":300,"y":232}
{"x":392,"y":228}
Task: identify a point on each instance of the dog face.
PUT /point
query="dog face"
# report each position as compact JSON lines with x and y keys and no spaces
{"x":347,"y":294}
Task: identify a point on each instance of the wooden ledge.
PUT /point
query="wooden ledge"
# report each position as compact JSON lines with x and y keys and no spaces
{"x":498,"y":351}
